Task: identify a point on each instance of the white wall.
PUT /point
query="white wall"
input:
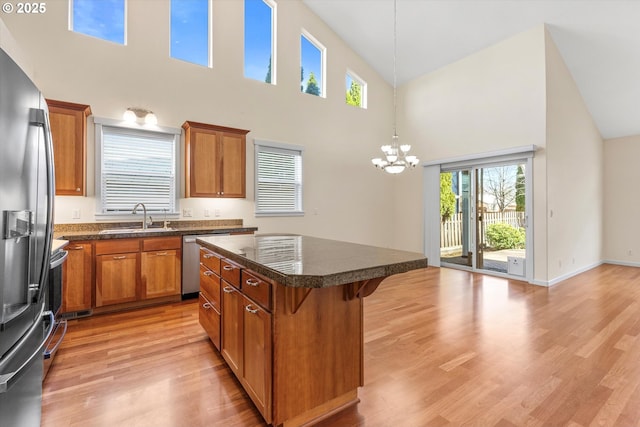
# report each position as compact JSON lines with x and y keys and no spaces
{"x":491,"y":100}
{"x":574,"y":175}
{"x":621,"y":200}
{"x":344,"y":196}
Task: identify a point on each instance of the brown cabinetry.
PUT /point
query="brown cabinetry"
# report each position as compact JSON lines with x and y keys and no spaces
{"x":117,"y":267}
{"x":130,"y":270}
{"x":77,"y":276}
{"x":215,"y":160}
{"x":210,"y":299}
{"x":160,"y":267}
{"x":69,"y":134}
{"x":243,"y":334}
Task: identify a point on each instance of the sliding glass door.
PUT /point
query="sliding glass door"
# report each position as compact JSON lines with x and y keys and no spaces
{"x":483,"y":217}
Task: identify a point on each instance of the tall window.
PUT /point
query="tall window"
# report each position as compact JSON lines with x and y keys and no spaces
{"x":278,"y":179}
{"x":190,"y":32}
{"x":104,"y":19}
{"x":259,"y":44}
{"x":356,"y":90}
{"x":312,"y":65}
{"x":135,"y":166}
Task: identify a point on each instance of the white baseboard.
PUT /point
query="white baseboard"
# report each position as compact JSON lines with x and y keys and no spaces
{"x":566,"y":276}
{"x":625,"y":263}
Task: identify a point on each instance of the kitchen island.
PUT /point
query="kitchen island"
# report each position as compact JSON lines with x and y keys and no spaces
{"x":289,"y":316}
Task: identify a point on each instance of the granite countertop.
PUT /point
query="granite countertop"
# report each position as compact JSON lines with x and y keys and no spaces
{"x":311,"y":262}
{"x":94,"y":231}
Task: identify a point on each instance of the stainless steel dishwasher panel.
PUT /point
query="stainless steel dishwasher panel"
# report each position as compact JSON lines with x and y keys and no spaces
{"x":191,"y":265}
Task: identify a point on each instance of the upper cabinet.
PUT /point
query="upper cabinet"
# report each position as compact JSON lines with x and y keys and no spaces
{"x":215,"y":160}
{"x":69,"y":133}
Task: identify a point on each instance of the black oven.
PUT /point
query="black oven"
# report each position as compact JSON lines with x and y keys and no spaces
{"x":53,"y":303}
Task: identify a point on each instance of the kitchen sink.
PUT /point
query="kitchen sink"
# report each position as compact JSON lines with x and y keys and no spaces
{"x":135,"y":230}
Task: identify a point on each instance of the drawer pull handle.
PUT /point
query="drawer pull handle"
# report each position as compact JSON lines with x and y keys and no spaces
{"x":208,"y":273}
{"x":227,"y":289}
{"x":228,"y":268}
{"x":207,"y":305}
{"x":207,"y":256}
{"x":161,"y":254}
{"x":251,"y":310}
{"x":76,"y":248}
{"x":252,"y":282}
{"x":119,"y":257}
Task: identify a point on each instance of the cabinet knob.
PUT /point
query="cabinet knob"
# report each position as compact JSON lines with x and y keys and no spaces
{"x":78,"y":189}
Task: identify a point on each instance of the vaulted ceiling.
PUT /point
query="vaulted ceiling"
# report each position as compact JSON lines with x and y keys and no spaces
{"x":598,"y":39}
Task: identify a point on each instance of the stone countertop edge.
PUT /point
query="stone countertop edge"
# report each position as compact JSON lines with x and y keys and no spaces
{"x":309,"y":281}
{"x":95,"y":235}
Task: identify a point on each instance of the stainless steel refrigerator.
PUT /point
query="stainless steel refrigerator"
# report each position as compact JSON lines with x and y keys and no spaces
{"x":26,"y":211}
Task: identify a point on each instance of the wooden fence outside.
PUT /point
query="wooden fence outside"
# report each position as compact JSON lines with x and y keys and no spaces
{"x":451,"y":229}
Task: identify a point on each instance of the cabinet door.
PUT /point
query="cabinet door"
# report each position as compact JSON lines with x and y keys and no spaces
{"x":215,"y":160}
{"x":68,"y":123}
{"x":76,"y":288}
{"x":160,"y":273}
{"x":257,"y":356}
{"x":205,"y":164}
{"x":233,"y":170}
{"x":116,"y":278}
{"x":209,"y":319}
{"x":232,"y":317}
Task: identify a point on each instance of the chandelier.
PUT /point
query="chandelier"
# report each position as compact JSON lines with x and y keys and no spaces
{"x":396,"y":156}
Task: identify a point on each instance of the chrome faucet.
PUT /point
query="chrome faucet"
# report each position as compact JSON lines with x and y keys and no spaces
{"x":145,"y":220}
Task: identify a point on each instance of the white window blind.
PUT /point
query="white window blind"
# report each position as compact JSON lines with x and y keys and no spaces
{"x":278,"y":179}
{"x":137,"y":166}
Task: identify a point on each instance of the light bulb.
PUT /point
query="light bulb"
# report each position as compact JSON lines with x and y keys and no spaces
{"x":129,"y":116}
{"x":151,"y":119}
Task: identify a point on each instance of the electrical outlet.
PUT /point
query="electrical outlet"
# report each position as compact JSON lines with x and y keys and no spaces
{"x":630,"y":252}
{"x":207,"y":213}
{"x":75,"y":214}
{"x":216,"y":212}
{"x":187,"y":212}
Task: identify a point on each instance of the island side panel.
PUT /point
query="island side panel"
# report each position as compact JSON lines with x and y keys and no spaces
{"x":318,"y":351}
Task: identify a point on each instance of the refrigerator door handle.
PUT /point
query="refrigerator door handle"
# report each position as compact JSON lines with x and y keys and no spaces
{"x":7,"y":380}
{"x":39,"y":117}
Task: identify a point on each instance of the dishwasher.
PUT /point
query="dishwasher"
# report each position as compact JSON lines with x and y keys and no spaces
{"x":191,"y":265}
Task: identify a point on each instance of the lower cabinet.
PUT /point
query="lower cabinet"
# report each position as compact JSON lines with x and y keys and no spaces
{"x":232,"y":320}
{"x":77,"y":276}
{"x":116,"y":278}
{"x":137,"y":270}
{"x":209,"y":319}
{"x":256,"y":346}
{"x":160,"y":272}
{"x":246,"y":345}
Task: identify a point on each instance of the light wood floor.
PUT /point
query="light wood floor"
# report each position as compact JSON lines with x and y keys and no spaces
{"x":442,"y":348}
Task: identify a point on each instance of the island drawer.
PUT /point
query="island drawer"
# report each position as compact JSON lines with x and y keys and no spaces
{"x":210,"y":285}
{"x":210,"y":260}
{"x":209,"y":318}
{"x":230,"y":271}
{"x":256,"y":288}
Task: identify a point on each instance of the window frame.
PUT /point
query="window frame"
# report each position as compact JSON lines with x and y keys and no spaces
{"x":363,"y":85}
{"x":274,"y":61}
{"x":100,"y":123}
{"x":209,"y":63}
{"x":323,"y":61}
{"x":278,"y":147}
{"x":124,"y":24}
